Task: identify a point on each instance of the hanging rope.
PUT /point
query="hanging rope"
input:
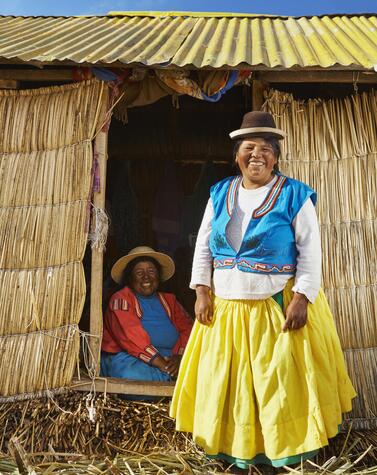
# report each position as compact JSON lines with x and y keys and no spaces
{"x":99,"y":229}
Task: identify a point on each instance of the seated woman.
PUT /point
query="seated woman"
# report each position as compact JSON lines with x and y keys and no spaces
{"x":145,"y":331}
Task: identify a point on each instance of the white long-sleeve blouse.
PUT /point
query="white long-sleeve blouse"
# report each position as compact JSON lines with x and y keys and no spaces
{"x":236,"y":284}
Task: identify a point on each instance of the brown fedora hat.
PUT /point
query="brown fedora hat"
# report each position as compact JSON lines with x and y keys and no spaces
{"x":166,"y":262}
{"x":257,"y":124}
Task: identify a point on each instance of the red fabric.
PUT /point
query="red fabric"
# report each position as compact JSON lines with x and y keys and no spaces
{"x":123,"y":329}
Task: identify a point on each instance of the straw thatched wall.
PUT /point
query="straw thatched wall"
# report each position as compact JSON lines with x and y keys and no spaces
{"x":46,"y":163}
{"x":332,"y":145}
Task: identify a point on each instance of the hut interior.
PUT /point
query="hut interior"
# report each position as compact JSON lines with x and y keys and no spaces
{"x":161,"y":165}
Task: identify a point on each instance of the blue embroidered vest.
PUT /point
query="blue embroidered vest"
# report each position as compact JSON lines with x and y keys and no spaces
{"x":268,"y":245}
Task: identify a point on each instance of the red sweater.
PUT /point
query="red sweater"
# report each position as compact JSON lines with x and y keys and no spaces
{"x":123,"y":329}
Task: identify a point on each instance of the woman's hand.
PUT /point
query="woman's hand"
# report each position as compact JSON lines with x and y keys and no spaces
{"x":296,"y":313}
{"x":203,"y":305}
{"x":160,"y":363}
{"x":172,"y":365}
{"x":167,"y":364}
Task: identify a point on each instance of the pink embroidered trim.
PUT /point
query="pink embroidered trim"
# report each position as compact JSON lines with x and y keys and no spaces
{"x":119,"y":304}
{"x":230,"y":263}
{"x":232,"y":193}
{"x":144,"y":358}
{"x":255,"y":266}
{"x":151,"y":350}
{"x":271,"y":198}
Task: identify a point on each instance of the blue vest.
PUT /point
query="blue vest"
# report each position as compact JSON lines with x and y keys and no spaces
{"x":268,"y":246}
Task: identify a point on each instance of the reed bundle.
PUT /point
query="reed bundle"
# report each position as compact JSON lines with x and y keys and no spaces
{"x":46,"y":168}
{"x":59,"y":175}
{"x":43,"y":236}
{"x":332,"y":146}
{"x":355,"y":301}
{"x":320,"y":130}
{"x":50,"y":117}
{"x":353,"y":181}
{"x":39,"y":360}
{"x":41,"y":299}
{"x":361,"y":363}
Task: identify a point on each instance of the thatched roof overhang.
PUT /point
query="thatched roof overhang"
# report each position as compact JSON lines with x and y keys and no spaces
{"x":193,"y":41}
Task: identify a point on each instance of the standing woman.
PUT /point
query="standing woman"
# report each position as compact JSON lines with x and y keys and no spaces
{"x":263,"y":378}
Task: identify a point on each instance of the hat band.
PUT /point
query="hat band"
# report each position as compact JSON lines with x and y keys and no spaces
{"x":254,"y":130}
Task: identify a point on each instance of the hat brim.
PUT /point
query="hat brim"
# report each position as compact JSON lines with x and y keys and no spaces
{"x":166,"y":263}
{"x":263,"y":132}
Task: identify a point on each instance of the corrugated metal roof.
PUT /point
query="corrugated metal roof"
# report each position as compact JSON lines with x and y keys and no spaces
{"x":193,"y":40}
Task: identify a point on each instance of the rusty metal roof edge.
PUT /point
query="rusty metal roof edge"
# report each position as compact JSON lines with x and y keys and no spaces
{"x":193,"y":14}
{"x":118,"y":64}
{"x":229,"y":14}
{"x":156,"y":14}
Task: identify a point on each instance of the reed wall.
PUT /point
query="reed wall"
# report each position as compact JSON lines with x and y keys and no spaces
{"x":46,"y":175}
{"x":332,"y":146}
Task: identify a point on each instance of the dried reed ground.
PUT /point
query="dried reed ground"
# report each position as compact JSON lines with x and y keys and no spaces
{"x":140,"y":434}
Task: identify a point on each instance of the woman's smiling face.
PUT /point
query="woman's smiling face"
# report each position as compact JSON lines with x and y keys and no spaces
{"x":256,"y":160}
{"x":145,"y":278}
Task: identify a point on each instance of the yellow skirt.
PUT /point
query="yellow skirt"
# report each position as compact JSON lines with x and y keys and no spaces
{"x":247,"y":389}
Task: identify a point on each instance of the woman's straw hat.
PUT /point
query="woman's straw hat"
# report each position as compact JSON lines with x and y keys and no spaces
{"x":166,"y":263}
{"x":257,"y":124}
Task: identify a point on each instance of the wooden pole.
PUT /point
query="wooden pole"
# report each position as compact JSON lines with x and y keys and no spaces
{"x":303,"y":75}
{"x":100,"y":147}
{"x":324,"y":76}
{"x":258,"y":87}
{"x":125,"y":386}
{"x":9,"y":84}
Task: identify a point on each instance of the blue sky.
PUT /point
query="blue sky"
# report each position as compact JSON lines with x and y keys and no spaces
{"x":101,"y":7}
